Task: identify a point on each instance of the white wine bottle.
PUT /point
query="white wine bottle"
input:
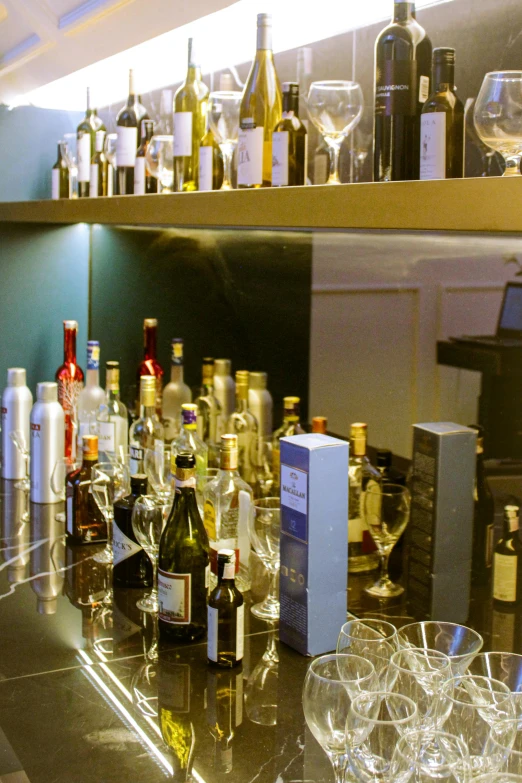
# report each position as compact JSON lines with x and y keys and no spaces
{"x":86,"y":147}
{"x":261,"y":110}
{"x":190,"y":111}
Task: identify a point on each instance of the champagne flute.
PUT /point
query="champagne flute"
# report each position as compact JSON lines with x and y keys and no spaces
{"x":157,"y":468}
{"x":160,"y":157}
{"x":223,"y":114}
{"x":387,"y":512}
{"x":109,"y":482}
{"x":498,"y":116}
{"x":262,"y":685}
{"x":148,"y":521}
{"x":335,"y":108}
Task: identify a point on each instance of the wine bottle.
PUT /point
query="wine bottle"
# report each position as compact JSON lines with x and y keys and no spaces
{"x":92,"y":394}
{"x":129,"y":124}
{"x":99,"y":176}
{"x":506,"y":569}
{"x":210,"y":161}
{"x":289,"y":142}
{"x":183,"y":565}
{"x":190,"y":111}
{"x":362,"y":555}
{"x":69,"y":377}
{"x":85,"y":523}
{"x":60,"y":176}
{"x":144,"y":182}
{"x":291,"y":426}
{"x":147,"y":431}
{"x":226,"y":615}
{"x":224,"y":700}
{"x":149,"y":364}
{"x":259,"y":113}
{"x":86,"y":146}
{"x":402,"y":86}
{"x":111,"y":418}
{"x":483,"y":518}
{"x":175,"y":393}
{"x":131,"y":565}
{"x":243,"y":424}
{"x":442,"y":123}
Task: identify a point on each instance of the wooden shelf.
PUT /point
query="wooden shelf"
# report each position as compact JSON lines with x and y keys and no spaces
{"x":470,"y":205}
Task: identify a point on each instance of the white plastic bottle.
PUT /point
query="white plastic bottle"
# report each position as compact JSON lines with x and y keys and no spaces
{"x":91,"y":396}
{"x":17,"y":402}
{"x":47,"y":442}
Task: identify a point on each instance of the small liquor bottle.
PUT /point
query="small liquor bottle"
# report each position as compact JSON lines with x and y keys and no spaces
{"x":92,"y":394}
{"x":319,"y":424}
{"x":209,"y":411}
{"x":111,"y":419}
{"x":243,"y":424}
{"x":188,"y":440}
{"x":85,"y":522}
{"x":175,"y":393}
{"x":69,"y":377}
{"x":132,"y":566}
{"x":483,"y":519}
{"x":226,"y":615}
{"x":150,"y":364}
{"x":506,"y":570}
{"x":362,"y":555}
{"x":144,"y":182}
{"x":146,"y":431}
{"x":60,"y":176}
{"x":183,"y":562}
{"x":289,"y":142}
{"x":291,"y":426}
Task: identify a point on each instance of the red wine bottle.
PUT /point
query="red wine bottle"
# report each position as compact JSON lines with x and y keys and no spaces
{"x":129,"y":139}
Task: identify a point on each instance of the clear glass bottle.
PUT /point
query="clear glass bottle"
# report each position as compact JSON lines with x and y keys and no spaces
{"x":362,"y":553}
{"x":69,"y":377}
{"x":189,"y":440}
{"x":190,"y":111}
{"x":112,"y":419}
{"x":290,"y":426}
{"x":209,"y":411}
{"x":146,"y":432}
{"x":92,"y":394}
{"x":243,"y":424}
{"x":149,"y":364}
{"x":227,"y":503}
{"x":175,"y":393}
{"x":226,"y":615}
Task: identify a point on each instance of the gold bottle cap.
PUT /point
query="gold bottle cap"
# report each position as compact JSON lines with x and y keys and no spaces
{"x":148,"y":391}
{"x":229,"y":452}
{"x":148,"y":322}
{"x":90,"y":447}
{"x":208,"y":370}
{"x":291,"y":408}
{"x":358,"y":436}
{"x":257,"y":380}
{"x":222,"y":366}
{"x":242,"y":384}
{"x":512,"y":515}
{"x":319,"y":424}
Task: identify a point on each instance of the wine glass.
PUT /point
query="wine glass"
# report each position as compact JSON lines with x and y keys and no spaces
{"x":223,"y":115}
{"x":148,"y":521}
{"x":503,"y":666}
{"x":335,"y":108}
{"x":262,"y":461}
{"x":458,"y":642}
{"x":69,"y":150}
{"x":421,"y":756}
{"x":387,"y":512}
{"x":499,"y":777}
{"x":420,"y":675}
{"x":109,"y":482}
{"x":160,"y":157}
{"x":62,"y":468}
{"x":262,"y":685}
{"x":331,"y":683}
{"x":157,"y":468}
{"x":498,"y":116}
{"x":264,"y":527}
{"x":18,"y":439}
{"x":375,"y":640}
{"x":505,"y":743}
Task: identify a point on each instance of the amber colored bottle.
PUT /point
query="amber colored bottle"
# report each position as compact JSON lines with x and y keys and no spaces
{"x":150,"y":365}
{"x":69,"y":377}
{"x":85,"y":523}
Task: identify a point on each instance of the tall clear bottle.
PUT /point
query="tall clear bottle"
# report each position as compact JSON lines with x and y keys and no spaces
{"x":261,"y":110}
{"x":86,"y":146}
{"x":190,"y":111}
{"x":224,"y":390}
{"x":129,"y":125}
{"x":188,"y":440}
{"x":290,"y":426}
{"x":149,"y":364}
{"x":209,"y":412}
{"x":112,"y":420}
{"x":175,"y":393}
{"x":362,"y":553}
{"x":227,"y":505}
{"x":243,"y":424}
{"x":69,"y":377}
{"x":92,"y":394}
{"x":17,"y":402}
{"x":147,"y":431}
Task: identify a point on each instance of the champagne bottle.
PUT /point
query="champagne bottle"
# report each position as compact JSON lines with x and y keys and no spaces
{"x":226,"y":615}
{"x":483,"y":519}
{"x":190,"y":111}
{"x":259,"y":113}
{"x":289,"y":142}
{"x":60,"y":177}
{"x":402,"y":86}
{"x":86,"y":146}
{"x":442,"y":123}
{"x":129,"y":125}
{"x":144,"y":182}
{"x":183,"y":565}
{"x":506,"y":569}
{"x":99,"y":176}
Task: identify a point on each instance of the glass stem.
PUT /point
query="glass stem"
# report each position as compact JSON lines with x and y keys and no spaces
{"x":154,"y":593}
{"x":334,"y":151}
{"x":227,"y":150}
{"x":339,"y":767}
{"x":272,"y":585}
{"x":384,"y":576}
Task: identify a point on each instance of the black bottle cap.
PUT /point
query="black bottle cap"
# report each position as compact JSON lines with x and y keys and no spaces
{"x":444,"y":54}
{"x":139,"y":484}
{"x":186,"y":460}
{"x":291,"y":87}
{"x":384,"y":458}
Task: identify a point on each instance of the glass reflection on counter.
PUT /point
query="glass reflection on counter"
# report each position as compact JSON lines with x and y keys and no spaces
{"x":86,"y":585}
{"x":261,"y":695}
{"x":15,"y":532}
{"x":48,"y":559}
{"x":176,"y":710}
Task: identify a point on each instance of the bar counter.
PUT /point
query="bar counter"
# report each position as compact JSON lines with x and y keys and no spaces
{"x":88,"y":694}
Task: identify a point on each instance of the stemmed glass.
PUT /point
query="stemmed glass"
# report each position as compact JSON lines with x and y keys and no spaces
{"x":420,"y":675}
{"x":498,"y":116}
{"x":331,"y":683}
{"x":459,"y":643}
{"x":375,"y":640}
{"x":387,"y":512}
{"x":335,"y":108}
{"x":18,"y":439}
{"x":499,"y":777}
{"x":262,"y":685}
{"x":63,"y":467}
{"x":223,"y":115}
{"x":503,"y":666}
{"x":264,"y":527}
{"x":505,"y":743}
{"x":160,"y":157}
{"x":421,"y":756}
{"x":69,"y":150}
{"x":157,"y":468}
{"x":109,"y":482}
{"x":148,"y":521}
{"x":262,"y":460}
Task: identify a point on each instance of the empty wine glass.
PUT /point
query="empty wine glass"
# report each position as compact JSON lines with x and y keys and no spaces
{"x":223,"y":115}
{"x":421,"y":756}
{"x":62,"y":468}
{"x":498,"y":777}
{"x":498,"y":116}
{"x":262,"y":685}
{"x":420,"y":675}
{"x":375,"y":640}
{"x":69,"y":150}
{"x":458,"y":642}
{"x":160,"y":157}
{"x":264,"y":525}
{"x":505,"y":667}
{"x":109,"y":482}
{"x":18,"y":439}
{"x":387,"y":512}
{"x":148,"y":521}
{"x":157,"y":468}
{"x":335,"y":108}
{"x":505,"y":744}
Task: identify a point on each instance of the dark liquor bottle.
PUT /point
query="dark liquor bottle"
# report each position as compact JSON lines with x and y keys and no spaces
{"x":60,"y":176}
{"x":69,"y":377}
{"x":289,"y":142}
{"x":184,"y":557}
{"x":483,"y":519}
{"x":150,"y":365}
{"x":86,"y":146}
{"x":144,"y":182}
{"x":99,"y":178}
{"x":442,"y":123}
{"x":132,"y":566}
{"x":226,"y":615}
{"x":85,"y":523}
{"x":506,"y":570}
{"x":402,"y":86}
{"x":129,"y":126}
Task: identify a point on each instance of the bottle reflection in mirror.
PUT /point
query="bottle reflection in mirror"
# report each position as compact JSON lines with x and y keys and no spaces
{"x":48,"y":559}
{"x":86,"y":586}
{"x":176,"y":709}
{"x":15,"y":534}
{"x":261,"y":694}
{"x":224,"y":713}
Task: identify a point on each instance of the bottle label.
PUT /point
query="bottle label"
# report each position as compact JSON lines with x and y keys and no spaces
{"x":212,"y":633}
{"x":280,"y":141}
{"x":106,"y":436}
{"x":93,"y":180}
{"x":424,"y":89}
{"x":174,"y":594}
{"x":209,"y":519}
{"x":206,"y":174}
{"x":490,"y":532}
{"x":505,"y":578}
{"x":122,"y":546}
{"x":294,"y":484}
{"x":55,"y":189}
{"x":433,"y":146}
{"x":240,"y":632}
{"x":176,"y":356}
{"x":69,"y":510}
{"x":395,"y":91}
{"x":136,"y":459}
{"x":250,"y":156}
{"x":126,"y":146}
{"x":139,"y":177}
{"x":83,"y":149}
{"x":182,"y":133}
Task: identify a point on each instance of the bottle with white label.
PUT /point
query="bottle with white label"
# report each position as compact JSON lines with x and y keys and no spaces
{"x":260,"y":112}
{"x":86,"y":141}
{"x":131,"y":564}
{"x":175,"y":393}
{"x":210,"y":162}
{"x":144,"y":182}
{"x":99,"y":178}
{"x":92,"y":394}
{"x":47,"y":442}
{"x":111,"y":419}
{"x":60,"y":176}
{"x":442,"y":123}
{"x":129,"y":139}
{"x":226,"y":615}
{"x":289,"y":142}
{"x":506,"y":560}
{"x":146,"y":431}
{"x":17,"y":402}
{"x":362,"y":552}
{"x":190,"y":111}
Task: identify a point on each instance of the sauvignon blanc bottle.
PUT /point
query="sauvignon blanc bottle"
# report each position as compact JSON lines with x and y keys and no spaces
{"x":190,"y":111}
{"x":129,"y":124}
{"x":260,"y":112}
{"x":289,"y":142}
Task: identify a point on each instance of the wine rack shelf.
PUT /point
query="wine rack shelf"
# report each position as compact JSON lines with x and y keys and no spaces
{"x":469,"y":205}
